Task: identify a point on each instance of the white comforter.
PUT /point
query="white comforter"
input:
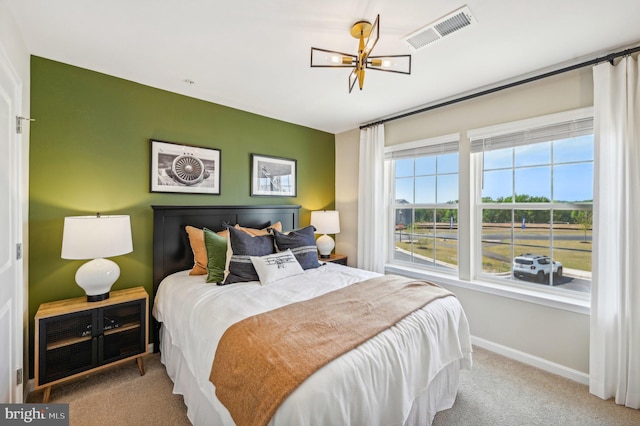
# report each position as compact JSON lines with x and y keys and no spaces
{"x":375,"y":383}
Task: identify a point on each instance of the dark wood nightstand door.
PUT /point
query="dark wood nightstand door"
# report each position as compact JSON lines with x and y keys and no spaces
{"x":68,"y":345}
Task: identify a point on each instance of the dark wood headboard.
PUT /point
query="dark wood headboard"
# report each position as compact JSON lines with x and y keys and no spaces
{"x":171,"y":249}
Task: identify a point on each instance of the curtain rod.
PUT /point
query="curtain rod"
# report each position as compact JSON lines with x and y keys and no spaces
{"x":607,"y":58}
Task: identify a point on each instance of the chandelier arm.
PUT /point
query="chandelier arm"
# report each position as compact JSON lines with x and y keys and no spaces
{"x":353,"y":76}
{"x":373,"y":36}
{"x":383,"y":70}
{"x":399,"y":64}
{"x":323,"y":58}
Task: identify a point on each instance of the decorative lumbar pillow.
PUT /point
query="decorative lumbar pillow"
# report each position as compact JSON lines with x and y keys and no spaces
{"x":302,"y":243}
{"x":196,"y":240}
{"x":258,"y":232}
{"x":243,"y":247}
{"x":216,"y":255}
{"x":274,"y":267}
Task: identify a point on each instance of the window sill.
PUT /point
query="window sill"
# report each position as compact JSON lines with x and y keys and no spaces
{"x":577,"y":304}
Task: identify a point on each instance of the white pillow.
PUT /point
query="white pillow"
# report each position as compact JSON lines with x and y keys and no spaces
{"x":274,"y":267}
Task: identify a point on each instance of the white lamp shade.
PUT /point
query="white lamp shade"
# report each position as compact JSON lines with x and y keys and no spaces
{"x":325,"y":221}
{"x":96,"y":237}
{"x":93,"y":237}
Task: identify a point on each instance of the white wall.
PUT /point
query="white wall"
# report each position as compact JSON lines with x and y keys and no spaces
{"x":13,"y":45}
{"x":531,"y":332}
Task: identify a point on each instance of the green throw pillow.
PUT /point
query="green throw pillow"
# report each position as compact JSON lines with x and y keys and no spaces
{"x":216,"y":255}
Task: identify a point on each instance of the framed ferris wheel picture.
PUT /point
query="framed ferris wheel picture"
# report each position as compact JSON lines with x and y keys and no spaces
{"x":184,"y":168}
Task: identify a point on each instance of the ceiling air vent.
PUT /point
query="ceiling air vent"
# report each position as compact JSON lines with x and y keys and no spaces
{"x":440,"y":28}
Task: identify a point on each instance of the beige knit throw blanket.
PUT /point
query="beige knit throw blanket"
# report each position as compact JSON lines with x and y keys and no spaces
{"x":262,"y":359}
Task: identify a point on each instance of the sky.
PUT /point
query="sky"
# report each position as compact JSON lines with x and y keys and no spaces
{"x":560,"y":170}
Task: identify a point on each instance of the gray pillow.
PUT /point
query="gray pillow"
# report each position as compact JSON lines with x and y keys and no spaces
{"x":302,"y":243}
{"x":244,"y":246}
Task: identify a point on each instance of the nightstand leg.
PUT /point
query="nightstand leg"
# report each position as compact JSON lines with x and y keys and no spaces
{"x":47,"y":393}
{"x":140,"y":365}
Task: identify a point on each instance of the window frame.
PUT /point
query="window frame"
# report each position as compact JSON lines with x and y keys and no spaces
{"x":470,"y":222}
{"x":477,"y":205}
{"x":424,"y":147}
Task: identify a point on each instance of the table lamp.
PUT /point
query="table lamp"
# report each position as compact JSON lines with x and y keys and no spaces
{"x":325,"y":222}
{"x":96,"y":237}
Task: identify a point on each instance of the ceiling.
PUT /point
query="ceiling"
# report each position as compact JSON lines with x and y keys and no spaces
{"x":254,"y":55}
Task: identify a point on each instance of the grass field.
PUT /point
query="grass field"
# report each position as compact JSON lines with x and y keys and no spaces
{"x":571,"y":246}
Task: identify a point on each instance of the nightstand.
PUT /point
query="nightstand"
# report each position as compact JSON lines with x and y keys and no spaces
{"x":74,"y":337}
{"x":335,"y":258}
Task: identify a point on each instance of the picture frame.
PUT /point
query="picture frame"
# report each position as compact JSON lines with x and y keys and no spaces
{"x":273,"y":176}
{"x":185,"y":169}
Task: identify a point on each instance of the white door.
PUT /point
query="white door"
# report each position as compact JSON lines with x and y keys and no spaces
{"x":11,"y":290}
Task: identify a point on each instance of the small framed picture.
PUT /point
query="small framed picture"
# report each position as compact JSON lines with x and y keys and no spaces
{"x":184,"y":168}
{"x":273,"y":176}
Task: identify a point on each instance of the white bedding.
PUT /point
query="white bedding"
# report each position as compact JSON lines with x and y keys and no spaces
{"x":380,"y":382}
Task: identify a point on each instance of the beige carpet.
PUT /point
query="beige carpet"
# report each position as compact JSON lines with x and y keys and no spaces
{"x":497,"y":392}
{"x":500,"y":391}
{"x":120,"y":396}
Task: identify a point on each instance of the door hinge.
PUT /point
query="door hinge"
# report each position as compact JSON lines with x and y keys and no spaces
{"x":19,"y":120}
{"x":19,"y":376}
{"x":18,"y":251}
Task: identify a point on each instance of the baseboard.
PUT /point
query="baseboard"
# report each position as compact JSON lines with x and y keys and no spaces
{"x":532,"y":360}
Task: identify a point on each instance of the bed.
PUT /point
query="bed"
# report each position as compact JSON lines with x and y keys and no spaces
{"x":402,"y":375}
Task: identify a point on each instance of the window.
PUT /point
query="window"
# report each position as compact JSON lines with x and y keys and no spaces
{"x":425,"y":203}
{"x":534,"y":208}
{"x":529,"y":207}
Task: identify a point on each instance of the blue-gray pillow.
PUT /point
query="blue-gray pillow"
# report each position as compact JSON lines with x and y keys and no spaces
{"x":302,"y":243}
{"x":244,"y":246}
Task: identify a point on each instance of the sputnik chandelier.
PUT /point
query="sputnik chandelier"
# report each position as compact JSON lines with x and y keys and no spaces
{"x":368,"y":35}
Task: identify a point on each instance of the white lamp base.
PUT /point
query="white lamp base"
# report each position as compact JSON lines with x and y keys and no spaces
{"x":96,"y":278}
{"x":325,"y":245}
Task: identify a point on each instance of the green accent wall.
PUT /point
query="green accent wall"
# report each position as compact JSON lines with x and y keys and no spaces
{"x":90,"y":152}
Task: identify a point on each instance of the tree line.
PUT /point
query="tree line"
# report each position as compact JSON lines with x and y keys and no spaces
{"x":584,"y":218}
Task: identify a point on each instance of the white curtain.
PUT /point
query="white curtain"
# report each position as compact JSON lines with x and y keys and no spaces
{"x":371,"y":203}
{"x":615,"y":295}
